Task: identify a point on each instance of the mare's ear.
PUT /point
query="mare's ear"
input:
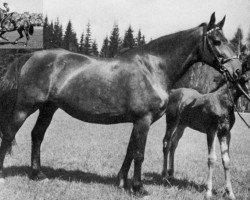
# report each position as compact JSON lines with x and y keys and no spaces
{"x":221,"y":23}
{"x":211,"y":23}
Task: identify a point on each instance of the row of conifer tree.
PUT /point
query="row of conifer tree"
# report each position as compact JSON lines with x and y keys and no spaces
{"x":55,"y":38}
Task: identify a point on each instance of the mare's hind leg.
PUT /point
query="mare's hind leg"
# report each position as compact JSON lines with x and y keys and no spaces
{"x":37,"y":135}
{"x":175,"y":139}
{"x":224,"y":145}
{"x":136,"y":149}
{"x":123,"y":173}
{"x":9,"y":131}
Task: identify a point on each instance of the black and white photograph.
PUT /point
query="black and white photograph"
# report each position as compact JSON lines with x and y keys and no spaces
{"x":125,"y":99}
{"x":21,"y":24}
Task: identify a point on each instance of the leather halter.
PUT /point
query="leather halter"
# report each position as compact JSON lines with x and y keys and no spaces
{"x":220,"y":60}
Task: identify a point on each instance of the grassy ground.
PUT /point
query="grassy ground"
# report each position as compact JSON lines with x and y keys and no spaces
{"x":81,"y":161}
{"x":35,"y":42}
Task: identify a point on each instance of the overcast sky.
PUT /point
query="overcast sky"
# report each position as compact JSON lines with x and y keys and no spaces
{"x":155,"y":18}
{"x":32,"y":6}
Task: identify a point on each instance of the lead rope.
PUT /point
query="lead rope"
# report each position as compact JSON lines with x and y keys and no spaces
{"x":234,"y":106}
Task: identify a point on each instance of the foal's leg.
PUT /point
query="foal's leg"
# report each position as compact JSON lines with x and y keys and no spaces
{"x":171,"y":126}
{"x":136,"y":149}
{"x":175,"y":139}
{"x":211,"y":161}
{"x":224,"y":145}
{"x":9,"y":131}
{"x":26,"y":31}
{"x":37,"y":134}
{"x":20,"y":35}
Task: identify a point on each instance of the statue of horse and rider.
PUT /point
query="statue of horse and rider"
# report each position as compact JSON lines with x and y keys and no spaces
{"x":13,"y":21}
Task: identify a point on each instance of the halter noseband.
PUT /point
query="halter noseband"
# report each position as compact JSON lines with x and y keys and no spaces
{"x":219,"y":59}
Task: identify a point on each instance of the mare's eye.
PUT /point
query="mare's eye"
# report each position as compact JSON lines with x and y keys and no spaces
{"x":217,"y":42}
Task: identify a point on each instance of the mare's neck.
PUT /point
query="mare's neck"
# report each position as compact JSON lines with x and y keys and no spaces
{"x":178,"y":51}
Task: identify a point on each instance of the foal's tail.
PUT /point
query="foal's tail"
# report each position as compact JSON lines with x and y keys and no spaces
{"x":9,"y":91}
{"x":31,"y":29}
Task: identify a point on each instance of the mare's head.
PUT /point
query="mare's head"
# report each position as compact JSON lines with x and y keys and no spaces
{"x":215,"y":49}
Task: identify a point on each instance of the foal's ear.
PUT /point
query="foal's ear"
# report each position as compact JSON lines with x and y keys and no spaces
{"x":211,"y":23}
{"x":219,"y":79}
{"x":221,"y":23}
{"x":245,"y":78}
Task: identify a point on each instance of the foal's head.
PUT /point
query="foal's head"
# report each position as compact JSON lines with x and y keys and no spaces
{"x":215,"y":49}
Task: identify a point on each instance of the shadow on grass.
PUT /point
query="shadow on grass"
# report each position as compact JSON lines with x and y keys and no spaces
{"x":13,"y":43}
{"x":62,"y":174}
{"x":87,"y":177}
{"x":154,"y":178}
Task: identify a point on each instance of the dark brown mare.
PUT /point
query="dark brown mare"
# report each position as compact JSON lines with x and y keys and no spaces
{"x":131,"y":88}
{"x":16,"y":22}
{"x":211,"y":113}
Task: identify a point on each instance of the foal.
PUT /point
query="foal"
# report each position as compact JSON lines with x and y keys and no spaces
{"x":212,"y":114}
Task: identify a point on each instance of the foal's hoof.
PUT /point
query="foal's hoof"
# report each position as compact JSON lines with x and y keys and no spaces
{"x":139,"y":191}
{"x":38,"y":176}
{"x":209,"y":195}
{"x":229,"y":195}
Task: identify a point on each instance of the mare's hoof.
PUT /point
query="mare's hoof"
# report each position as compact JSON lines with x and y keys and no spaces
{"x":164,"y":174}
{"x":38,"y":176}
{"x":139,"y":191}
{"x":170,"y":173}
{"x":2,"y":180}
{"x":122,"y":182}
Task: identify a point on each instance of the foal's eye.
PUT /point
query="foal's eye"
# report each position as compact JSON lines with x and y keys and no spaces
{"x":217,"y":42}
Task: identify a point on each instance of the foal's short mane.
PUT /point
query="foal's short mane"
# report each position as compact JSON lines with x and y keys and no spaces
{"x":221,"y":81}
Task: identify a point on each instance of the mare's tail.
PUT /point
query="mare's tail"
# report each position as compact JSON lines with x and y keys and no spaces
{"x":31,"y":29}
{"x":9,"y":90}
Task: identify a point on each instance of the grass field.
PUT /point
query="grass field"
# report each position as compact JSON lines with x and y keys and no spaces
{"x":81,"y":161}
{"x":35,"y":42}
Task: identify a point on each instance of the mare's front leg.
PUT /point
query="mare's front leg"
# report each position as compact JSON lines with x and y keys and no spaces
{"x":211,"y":161}
{"x":37,"y":135}
{"x":224,"y":145}
{"x":136,"y":149}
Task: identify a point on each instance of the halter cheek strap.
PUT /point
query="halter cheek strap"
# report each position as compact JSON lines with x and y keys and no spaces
{"x":219,"y":59}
